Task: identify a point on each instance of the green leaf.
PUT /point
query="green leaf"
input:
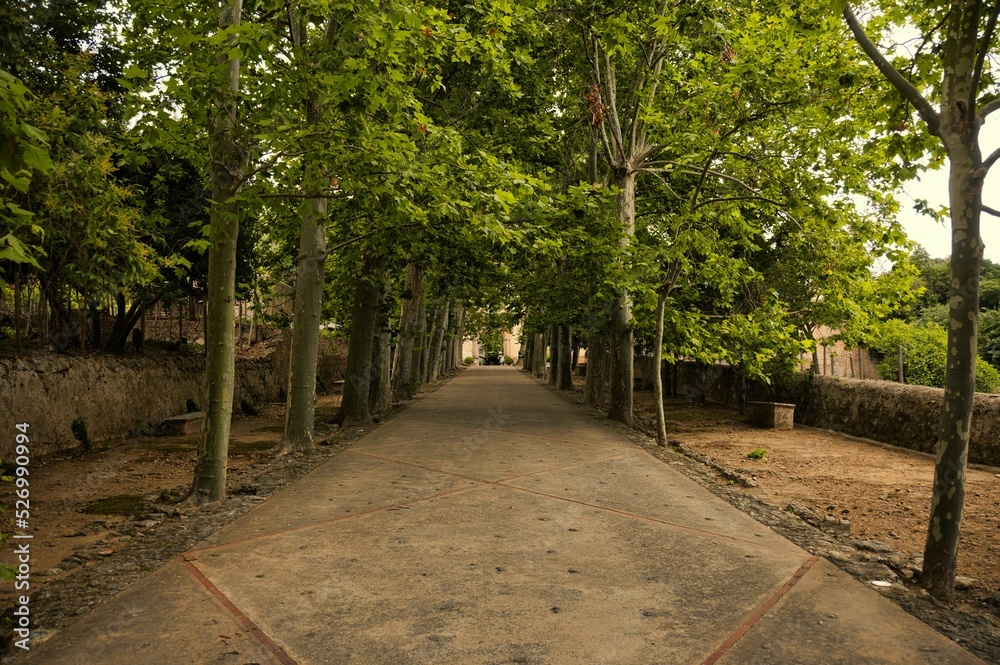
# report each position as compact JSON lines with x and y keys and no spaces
{"x":37,"y":158}
{"x":33,"y":132}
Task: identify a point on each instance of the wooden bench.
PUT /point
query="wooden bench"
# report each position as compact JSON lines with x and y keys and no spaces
{"x":772,"y":415}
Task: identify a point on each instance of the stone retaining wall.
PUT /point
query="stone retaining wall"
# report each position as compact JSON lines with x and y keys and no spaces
{"x":116,"y":396}
{"x":892,"y":413}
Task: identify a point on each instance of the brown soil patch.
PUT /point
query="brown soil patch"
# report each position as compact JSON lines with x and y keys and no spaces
{"x":882,"y":491}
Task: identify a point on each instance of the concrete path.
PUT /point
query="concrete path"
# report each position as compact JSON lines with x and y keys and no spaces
{"x":494,"y":523}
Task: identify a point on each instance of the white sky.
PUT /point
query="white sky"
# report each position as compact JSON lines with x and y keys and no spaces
{"x":933,"y":186}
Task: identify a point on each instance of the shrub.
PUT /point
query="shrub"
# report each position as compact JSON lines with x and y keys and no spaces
{"x":469,"y":360}
{"x":507,"y":360}
{"x":925,"y":352}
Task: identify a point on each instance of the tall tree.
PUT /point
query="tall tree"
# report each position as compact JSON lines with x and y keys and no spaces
{"x":228,"y":164}
{"x":626,"y":53}
{"x":954,"y":72}
{"x":301,"y":394}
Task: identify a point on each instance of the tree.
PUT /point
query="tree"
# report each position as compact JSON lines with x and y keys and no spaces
{"x":301,"y":399}
{"x":966,"y":93}
{"x":22,"y":152}
{"x":228,"y":165}
{"x":630,"y":47}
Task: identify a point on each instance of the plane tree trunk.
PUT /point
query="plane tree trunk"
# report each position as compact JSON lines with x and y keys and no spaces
{"x":956,"y":122}
{"x":553,"y":355}
{"x":661,"y":420}
{"x":354,"y":407}
{"x":402,"y":367}
{"x":228,"y":163}
{"x":539,"y":363}
{"x":621,"y":342}
{"x":565,"y":370}
{"x":436,"y":341}
{"x":300,"y":406}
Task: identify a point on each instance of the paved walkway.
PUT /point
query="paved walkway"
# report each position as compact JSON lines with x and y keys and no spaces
{"x":494,"y":523}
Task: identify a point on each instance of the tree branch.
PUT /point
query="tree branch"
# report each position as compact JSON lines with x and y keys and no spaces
{"x":905,"y":88}
{"x":984,"y":49}
{"x":704,"y":203}
{"x":339,"y":194}
{"x":990,"y":211}
{"x":991,"y":160}
{"x":987,"y":109}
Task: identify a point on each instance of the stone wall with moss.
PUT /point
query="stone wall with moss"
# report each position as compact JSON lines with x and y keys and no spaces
{"x":117,"y":396}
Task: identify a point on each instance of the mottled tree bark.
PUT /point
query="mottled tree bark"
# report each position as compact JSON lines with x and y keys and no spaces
{"x":402,"y":368}
{"x":455,"y":343}
{"x":419,"y":372}
{"x":306,"y":319}
{"x":354,"y":407}
{"x":661,"y":419}
{"x":437,"y":341}
{"x":228,"y":163}
{"x":553,"y":355}
{"x":956,"y":123}
{"x":620,"y":325}
{"x":529,"y":352}
{"x":539,"y":363}
{"x":380,"y":395}
{"x":565,"y":369}
{"x":948,"y":497}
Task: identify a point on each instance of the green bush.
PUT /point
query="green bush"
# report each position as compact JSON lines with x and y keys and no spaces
{"x":925,"y":352}
{"x":507,"y":360}
{"x":469,"y":360}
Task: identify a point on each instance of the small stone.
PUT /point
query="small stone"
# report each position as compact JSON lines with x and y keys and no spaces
{"x":800,"y":510}
{"x":873,"y":546}
{"x":835,"y":525}
{"x":966,"y":583}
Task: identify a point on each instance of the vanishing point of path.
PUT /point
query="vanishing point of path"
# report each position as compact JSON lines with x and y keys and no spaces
{"x":493,"y":522}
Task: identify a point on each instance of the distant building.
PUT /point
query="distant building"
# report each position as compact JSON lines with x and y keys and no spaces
{"x":511,"y":346}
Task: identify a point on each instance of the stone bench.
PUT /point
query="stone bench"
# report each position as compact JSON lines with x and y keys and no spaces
{"x":189,"y":423}
{"x":772,"y":415}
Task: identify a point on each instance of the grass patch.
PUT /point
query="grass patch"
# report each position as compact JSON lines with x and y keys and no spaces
{"x":758,"y":453}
